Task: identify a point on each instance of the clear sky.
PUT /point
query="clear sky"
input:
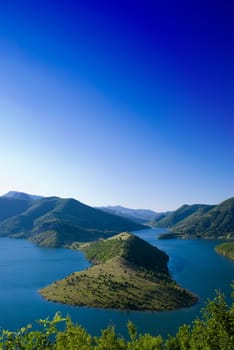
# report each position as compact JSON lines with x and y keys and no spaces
{"x":118,"y":102}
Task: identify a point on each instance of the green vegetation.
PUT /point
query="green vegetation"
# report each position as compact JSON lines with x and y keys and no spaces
{"x":226,"y":249}
{"x":181,"y":214}
{"x":133,"y":249}
{"x":58,"y":222}
{"x":129,"y":274}
{"x":214,"y":330}
{"x":102,"y":251}
{"x":55,"y":221}
{"x":213,"y":223}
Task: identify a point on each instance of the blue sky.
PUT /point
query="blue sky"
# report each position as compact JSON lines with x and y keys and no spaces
{"x":118,"y":102}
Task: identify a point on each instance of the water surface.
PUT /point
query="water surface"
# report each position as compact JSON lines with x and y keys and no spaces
{"x":25,"y":268}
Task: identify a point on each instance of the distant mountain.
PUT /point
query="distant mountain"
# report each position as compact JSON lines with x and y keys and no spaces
{"x":129,"y":273}
{"x":55,"y":221}
{"x":142,"y":216}
{"x":21,"y":195}
{"x":182,"y":213}
{"x":215,"y":222}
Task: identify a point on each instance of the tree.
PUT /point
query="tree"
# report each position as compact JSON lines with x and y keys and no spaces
{"x":214,"y":330}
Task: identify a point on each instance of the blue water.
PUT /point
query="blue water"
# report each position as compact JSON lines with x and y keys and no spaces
{"x":25,"y":268}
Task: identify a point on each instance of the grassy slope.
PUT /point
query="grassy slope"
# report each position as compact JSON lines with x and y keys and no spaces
{"x":226,"y":249}
{"x":215,"y":223}
{"x":54,"y":222}
{"x":182,"y":214}
{"x":123,"y":278}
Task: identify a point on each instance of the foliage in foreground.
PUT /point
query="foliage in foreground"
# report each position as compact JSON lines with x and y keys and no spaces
{"x":214,"y":330}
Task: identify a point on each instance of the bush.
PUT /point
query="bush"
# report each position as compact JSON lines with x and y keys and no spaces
{"x":214,"y":330}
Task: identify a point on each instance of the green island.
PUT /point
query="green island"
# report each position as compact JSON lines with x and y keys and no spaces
{"x":128,"y":273}
{"x":214,"y":329}
{"x":226,"y":249}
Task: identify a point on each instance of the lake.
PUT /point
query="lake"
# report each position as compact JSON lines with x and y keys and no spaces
{"x":25,"y":268}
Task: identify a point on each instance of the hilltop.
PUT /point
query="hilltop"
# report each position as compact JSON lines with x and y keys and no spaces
{"x":54,"y":221}
{"x":128,"y":273}
{"x":21,"y":195}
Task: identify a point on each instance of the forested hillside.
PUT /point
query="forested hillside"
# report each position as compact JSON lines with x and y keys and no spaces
{"x":54,"y":221}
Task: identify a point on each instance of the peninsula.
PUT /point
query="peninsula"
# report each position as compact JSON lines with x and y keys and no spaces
{"x":226,"y":249}
{"x":128,"y":273}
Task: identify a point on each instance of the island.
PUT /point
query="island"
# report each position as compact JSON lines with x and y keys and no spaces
{"x":127,"y":273}
{"x":226,"y":249}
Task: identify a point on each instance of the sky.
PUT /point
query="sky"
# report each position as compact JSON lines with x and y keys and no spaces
{"x":118,"y":102}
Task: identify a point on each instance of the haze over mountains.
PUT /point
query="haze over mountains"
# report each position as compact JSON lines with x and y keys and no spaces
{"x":143,"y":216}
{"x":21,"y":195}
{"x":188,"y":221}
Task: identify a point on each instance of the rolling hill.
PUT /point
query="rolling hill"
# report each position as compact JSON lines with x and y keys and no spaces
{"x":128,"y":273}
{"x":55,"y":221}
{"x":226,"y":249}
{"x":213,"y":223}
{"x":181,"y":214}
{"x":218,"y":222}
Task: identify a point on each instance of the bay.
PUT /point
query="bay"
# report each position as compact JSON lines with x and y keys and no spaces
{"x":25,"y":268}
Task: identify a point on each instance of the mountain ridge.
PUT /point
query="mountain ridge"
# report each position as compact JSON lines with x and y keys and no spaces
{"x":142,"y":216}
{"x":21,"y":195}
{"x":180,"y":214}
{"x":54,"y":221}
{"x":210,"y":223}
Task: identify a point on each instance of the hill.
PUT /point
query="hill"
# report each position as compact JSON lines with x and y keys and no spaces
{"x":181,"y":214}
{"x":128,"y":273}
{"x":216,"y":222}
{"x":55,"y":221}
{"x":142,"y":216}
{"x":226,"y":249}
{"x":12,"y":206}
